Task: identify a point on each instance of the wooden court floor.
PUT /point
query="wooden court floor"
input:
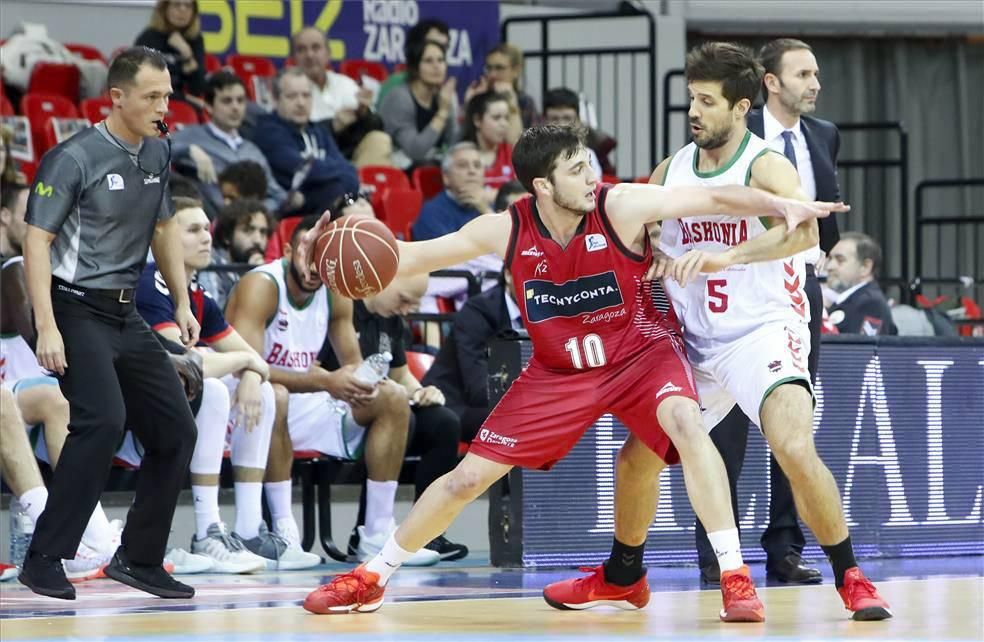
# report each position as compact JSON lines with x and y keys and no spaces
{"x":931,"y":599}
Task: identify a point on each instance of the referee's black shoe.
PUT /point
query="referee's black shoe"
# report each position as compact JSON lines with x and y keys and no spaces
{"x":151,"y":579}
{"x":45,"y":575}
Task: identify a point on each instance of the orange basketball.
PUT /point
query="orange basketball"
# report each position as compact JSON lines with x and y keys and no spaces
{"x":357,"y":256}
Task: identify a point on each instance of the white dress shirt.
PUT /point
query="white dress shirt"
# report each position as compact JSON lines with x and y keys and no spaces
{"x":232,"y":140}
{"x":340,"y":92}
{"x":773,"y":131}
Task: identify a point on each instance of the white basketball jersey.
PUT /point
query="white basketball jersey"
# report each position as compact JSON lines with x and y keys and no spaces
{"x":17,"y":360}
{"x":294,"y":336}
{"x":717,"y":308}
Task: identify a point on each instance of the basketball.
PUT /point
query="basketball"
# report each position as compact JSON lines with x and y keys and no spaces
{"x":357,"y":256}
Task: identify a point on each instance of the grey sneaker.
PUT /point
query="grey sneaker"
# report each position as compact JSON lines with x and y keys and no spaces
{"x":225,"y":551}
{"x":277,"y":551}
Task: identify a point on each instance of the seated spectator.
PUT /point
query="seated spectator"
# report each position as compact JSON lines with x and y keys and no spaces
{"x":175,"y":30}
{"x":860,"y":306}
{"x":245,"y":179}
{"x":304,"y":157}
{"x":242,"y":231}
{"x":9,"y":171}
{"x":205,"y":151}
{"x":508,"y":194}
{"x":561,"y":106}
{"x":503,"y":75}
{"x":427,"y":30}
{"x":487,"y":125}
{"x":340,"y":103}
{"x":286,"y":318}
{"x":463,"y":197}
{"x":435,"y":430}
{"x":461,"y":369}
{"x":236,"y":394}
{"x":421,"y":115}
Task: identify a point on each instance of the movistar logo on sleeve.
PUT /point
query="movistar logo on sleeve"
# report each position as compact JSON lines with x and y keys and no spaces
{"x":43,"y":190}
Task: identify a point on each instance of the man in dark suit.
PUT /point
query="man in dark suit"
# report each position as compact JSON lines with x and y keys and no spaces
{"x":461,"y":367}
{"x":789,"y":87}
{"x":860,"y":306}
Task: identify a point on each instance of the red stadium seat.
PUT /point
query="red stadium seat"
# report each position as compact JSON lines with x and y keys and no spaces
{"x":6,"y":109}
{"x":400,"y":208}
{"x":85,"y":51}
{"x":58,"y":130}
{"x":212,"y":63}
{"x":96,"y":109}
{"x":180,"y":114}
{"x":419,"y":363}
{"x":355,"y":69}
{"x":56,"y":79}
{"x":377,"y":178}
{"x":608,"y":178}
{"x":398,"y":67}
{"x":428,"y":180}
{"x":248,"y":66}
{"x":280,"y":238}
{"x":39,"y":108}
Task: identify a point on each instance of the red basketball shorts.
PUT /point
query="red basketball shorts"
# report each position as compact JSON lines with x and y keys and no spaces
{"x":545,"y":412}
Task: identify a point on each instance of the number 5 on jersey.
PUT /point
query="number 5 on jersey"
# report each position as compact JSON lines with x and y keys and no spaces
{"x":593,"y":351}
{"x":717,"y":298}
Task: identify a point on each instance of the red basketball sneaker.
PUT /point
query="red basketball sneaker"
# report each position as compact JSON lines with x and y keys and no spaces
{"x":593,"y":590}
{"x":861,"y":598}
{"x":741,"y":603}
{"x":356,"y":591}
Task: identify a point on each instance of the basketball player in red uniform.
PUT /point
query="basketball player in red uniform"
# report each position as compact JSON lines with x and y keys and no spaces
{"x":602,"y":343}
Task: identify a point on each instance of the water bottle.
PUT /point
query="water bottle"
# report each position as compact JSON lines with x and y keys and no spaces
{"x":21,"y":531}
{"x":371,"y":371}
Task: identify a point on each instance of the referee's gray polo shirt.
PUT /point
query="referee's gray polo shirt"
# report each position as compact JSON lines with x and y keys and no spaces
{"x":101,"y":208}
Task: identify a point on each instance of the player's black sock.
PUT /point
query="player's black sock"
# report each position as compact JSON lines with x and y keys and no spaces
{"x":841,"y":557}
{"x":624,"y":567}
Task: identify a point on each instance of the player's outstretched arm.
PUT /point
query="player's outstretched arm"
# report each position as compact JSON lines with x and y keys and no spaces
{"x":774,"y":173}
{"x":646,"y":203}
{"x":485,"y":234}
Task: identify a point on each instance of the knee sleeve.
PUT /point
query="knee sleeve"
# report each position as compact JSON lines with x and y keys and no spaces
{"x":212,"y":420}
{"x":250,"y":449}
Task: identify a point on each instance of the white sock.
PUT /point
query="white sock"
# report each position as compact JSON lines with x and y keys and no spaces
{"x":206,"y":500}
{"x":727,"y":547}
{"x":34,"y":502}
{"x":380,"y":497}
{"x":389,"y":559}
{"x":249,"y":512}
{"x":98,"y":533}
{"x":279,"y":500}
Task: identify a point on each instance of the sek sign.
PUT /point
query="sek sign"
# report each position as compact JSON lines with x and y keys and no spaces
{"x":897,"y":422}
{"x":373,"y":30}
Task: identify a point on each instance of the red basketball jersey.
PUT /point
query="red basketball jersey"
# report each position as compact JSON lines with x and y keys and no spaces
{"x":586,"y":305}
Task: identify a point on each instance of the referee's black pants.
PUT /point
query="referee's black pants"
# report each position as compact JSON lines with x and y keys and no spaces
{"x":784,"y":534}
{"x":116,"y":369}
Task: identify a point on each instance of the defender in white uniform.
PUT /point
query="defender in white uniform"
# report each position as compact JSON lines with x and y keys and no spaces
{"x":745,"y":318}
{"x":746,"y":325}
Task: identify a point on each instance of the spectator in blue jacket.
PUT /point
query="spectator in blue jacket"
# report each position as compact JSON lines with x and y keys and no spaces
{"x":304,"y":158}
{"x":463,"y":197}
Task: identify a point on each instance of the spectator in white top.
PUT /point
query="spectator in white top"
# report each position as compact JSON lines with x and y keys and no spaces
{"x":340,"y":103}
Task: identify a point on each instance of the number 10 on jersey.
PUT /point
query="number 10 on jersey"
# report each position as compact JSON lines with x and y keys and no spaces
{"x":592,"y":349}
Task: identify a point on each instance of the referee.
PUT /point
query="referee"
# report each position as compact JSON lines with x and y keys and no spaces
{"x":99,"y":200}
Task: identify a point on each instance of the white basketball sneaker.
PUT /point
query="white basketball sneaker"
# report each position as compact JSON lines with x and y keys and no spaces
{"x":277,"y":551}
{"x":186,"y":563}
{"x":370,"y":545}
{"x":227,"y":554}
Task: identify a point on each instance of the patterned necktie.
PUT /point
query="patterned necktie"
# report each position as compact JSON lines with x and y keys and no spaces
{"x":787,"y":147}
